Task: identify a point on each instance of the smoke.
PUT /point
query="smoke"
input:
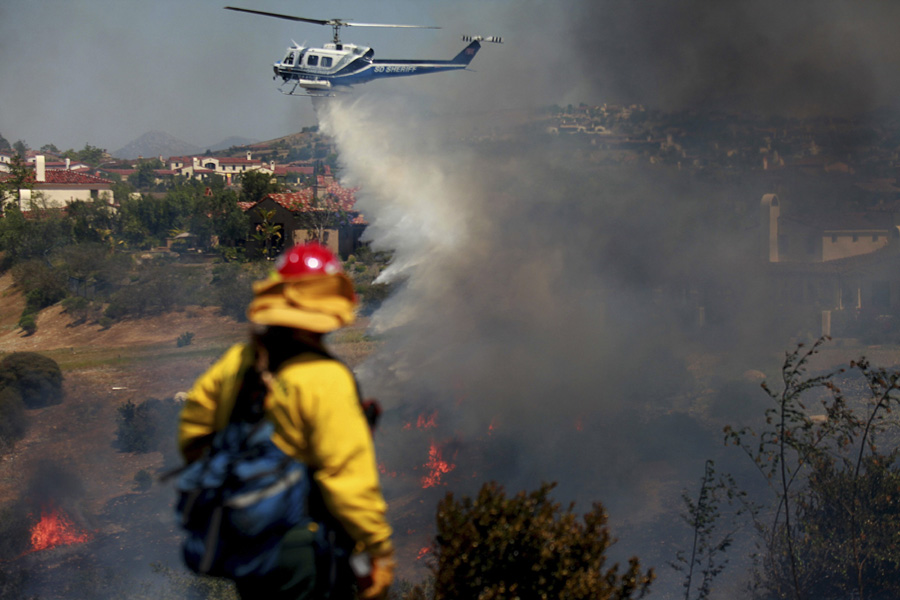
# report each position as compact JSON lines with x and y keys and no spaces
{"x":549,"y":296}
{"x":799,"y":58}
{"x":543,"y":309}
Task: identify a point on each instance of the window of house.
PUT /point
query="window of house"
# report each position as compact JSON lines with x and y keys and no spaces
{"x":834,"y":238}
{"x":95,"y":194}
{"x":875,"y":238}
{"x":312,"y":60}
{"x":855,"y":238}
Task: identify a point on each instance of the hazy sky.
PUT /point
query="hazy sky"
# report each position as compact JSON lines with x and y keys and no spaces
{"x":105,"y":71}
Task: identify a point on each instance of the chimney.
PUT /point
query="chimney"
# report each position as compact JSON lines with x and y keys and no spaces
{"x":771,"y":211}
{"x":249,"y":154}
{"x":68,"y":163}
{"x":40,"y":170}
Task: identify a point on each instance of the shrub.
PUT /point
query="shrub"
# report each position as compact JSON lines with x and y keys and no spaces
{"x":497,"y":547}
{"x":830,"y":527}
{"x":142,"y":426}
{"x":12,"y":417}
{"x":28,"y":324}
{"x":143,"y":480}
{"x":36,"y":378}
{"x":185,"y":339}
{"x":232,"y":287}
{"x":42,"y":284}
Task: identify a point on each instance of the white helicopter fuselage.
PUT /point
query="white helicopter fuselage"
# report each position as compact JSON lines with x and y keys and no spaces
{"x":338,"y":65}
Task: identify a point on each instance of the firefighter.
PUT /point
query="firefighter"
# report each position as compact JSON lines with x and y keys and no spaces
{"x":318,"y":418}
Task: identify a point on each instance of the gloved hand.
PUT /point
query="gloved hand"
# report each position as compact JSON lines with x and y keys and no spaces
{"x":375,"y":586}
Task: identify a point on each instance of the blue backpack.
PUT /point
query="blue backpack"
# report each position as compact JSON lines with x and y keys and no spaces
{"x":242,"y":496}
{"x":238,"y":501}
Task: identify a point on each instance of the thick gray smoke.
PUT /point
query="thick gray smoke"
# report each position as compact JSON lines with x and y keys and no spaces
{"x":802,"y":57}
{"x":547,"y":310}
{"x":542,"y":317}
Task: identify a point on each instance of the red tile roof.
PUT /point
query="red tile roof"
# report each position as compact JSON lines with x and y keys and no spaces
{"x":333,"y":197}
{"x":64,"y":177}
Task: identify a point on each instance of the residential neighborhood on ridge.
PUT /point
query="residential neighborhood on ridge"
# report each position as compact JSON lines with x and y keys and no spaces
{"x":826,"y":225}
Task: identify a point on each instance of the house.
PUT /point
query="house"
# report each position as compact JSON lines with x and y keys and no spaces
{"x":845,"y":267}
{"x":819,"y":237}
{"x":326,"y":214}
{"x":202,"y":167}
{"x":59,"y":187}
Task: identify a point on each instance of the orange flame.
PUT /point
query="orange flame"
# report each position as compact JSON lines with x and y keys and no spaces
{"x":437,"y":467}
{"x":424,"y":422}
{"x":55,"y":529}
{"x":423,"y":552}
{"x":383,"y":470}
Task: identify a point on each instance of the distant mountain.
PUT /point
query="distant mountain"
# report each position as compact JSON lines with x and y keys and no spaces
{"x":157,"y":143}
{"x":231,"y":142}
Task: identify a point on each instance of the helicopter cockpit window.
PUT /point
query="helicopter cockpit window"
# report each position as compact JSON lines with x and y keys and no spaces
{"x":326,"y":61}
{"x":312,"y":60}
{"x":289,"y":59}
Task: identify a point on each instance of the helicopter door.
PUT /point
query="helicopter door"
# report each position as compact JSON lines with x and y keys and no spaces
{"x":318,"y":63}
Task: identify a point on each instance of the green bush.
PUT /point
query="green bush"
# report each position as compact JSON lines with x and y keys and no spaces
{"x":36,"y":378}
{"x":28,"y":324}
{"x":185,"y":339}
{"x":496,"y":547}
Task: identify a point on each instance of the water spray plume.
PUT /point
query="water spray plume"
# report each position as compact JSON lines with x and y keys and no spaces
{"x":407,"y":191}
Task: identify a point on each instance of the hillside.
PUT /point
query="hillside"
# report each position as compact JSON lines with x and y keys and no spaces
{"x":128,"y":530}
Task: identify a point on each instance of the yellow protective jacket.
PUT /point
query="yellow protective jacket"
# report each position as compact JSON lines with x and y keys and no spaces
{"x":318,"y":420}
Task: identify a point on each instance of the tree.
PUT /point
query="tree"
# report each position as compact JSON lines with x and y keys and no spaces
{"x":256,"y":185}
{"x":50,"y":148}
{"x":144,"y":177}
{"x":267,"y":234}
{"x":90,"y":155}
{"x":495,"y":547}
{"x":20,"y":148}
{"x":20,"y":178}
{"x":218,"y":216}
{"x":4,"y":143}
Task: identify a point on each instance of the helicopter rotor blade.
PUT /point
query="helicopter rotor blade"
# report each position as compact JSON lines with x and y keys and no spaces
{"x":354,"y":24}
{"x":331,"y":22}
{"x":279,"y":16}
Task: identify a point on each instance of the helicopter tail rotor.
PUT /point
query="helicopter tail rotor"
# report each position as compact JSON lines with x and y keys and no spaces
{"x":479,"y":38}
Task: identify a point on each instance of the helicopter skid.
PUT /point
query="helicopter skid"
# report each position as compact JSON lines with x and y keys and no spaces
{"x":312,"y":87}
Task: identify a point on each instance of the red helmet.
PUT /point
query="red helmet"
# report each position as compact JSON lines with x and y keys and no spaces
{"x":307,"y":259}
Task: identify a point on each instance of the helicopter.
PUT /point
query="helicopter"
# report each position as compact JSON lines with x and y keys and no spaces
{"x":338,"y":66}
